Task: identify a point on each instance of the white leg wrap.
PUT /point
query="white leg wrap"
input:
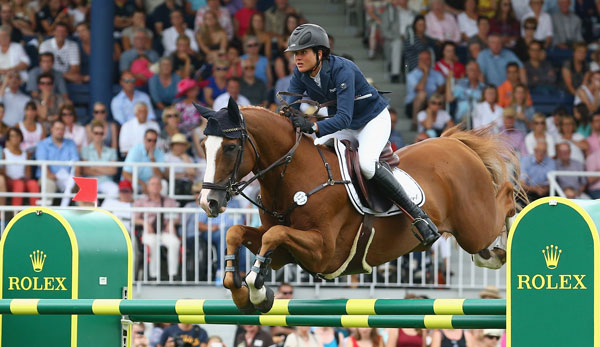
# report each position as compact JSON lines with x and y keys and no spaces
{"x":257,"y":296}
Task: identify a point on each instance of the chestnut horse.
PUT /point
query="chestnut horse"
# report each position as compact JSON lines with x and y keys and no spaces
{"x":467,"y":178}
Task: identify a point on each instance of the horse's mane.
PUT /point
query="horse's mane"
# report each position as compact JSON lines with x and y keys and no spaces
{"x":496,"y":153}
{"x":260,"y":108}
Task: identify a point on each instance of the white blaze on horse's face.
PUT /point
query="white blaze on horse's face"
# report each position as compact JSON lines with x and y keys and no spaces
{"x":212,"y":145}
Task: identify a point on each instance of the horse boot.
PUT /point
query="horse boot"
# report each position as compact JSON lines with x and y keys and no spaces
{"x":388,"y":185}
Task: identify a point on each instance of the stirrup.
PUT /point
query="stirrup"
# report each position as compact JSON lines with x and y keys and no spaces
{"x":433,"y":235}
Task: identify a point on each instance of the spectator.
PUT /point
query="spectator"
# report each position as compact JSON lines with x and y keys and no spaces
{"x":97,"y":151}
{"x":467,"y":20}
{"x":222,"y":13}
{"x":46,"y":66}
{"x":374,"y":10}
{"x":512,"y":135}
{"x":145,"y":153}
{"x":185,"y":62}
{"x":217,"y":83}
{"x":544,"y":22}
{"x":541,"y":76}
{"x":191,"y":334}
{"x":592,"y":164}
{"x":160,"y":16}
{"x":568,"y":134}
{"x":48,"y":102}
{"x":73,"y":131}
{"x":19,"y":177}
{"x":261,"y":64}
{"x":421,"y":83}
{"x":110,"y":128}
{"x":588,"y":13}
{"x":188,"y":90}
{"x":66,"y":53}
{"x":275,"y":16}
{"x":456,"y":337}
{"x":466,"y":92}
{"x":134,"y":130}
{"x":575,"y":71}
{"x":493,"y":60}
{"x":140,"y":48}
{"x":441,"y":25}
{"x":138,"y":22}
{"x":123,"y":13}
{"x":234,"y":61}
{"x":3,"y":127}
{"x":211,"y":37}
{"x":233,"y":91}
{"x":506,"y":24}
{"x":13,"y":55}
{"x":395,"y":137}
{"x":303,"y":337}
{"x":14,"y":101}
{"x":257,"y":29}
{"x":31,"y":130}
{"x":525,"y":41}
{"x":283,"y":83}
{"x":589,"y":93}
{"x":253,"y":88}
{"x":56,"y":147}
{"x":366,"y":337}
{"x":594,"y":139}
{"x":184,"y":177}
{"x":171,"y":119}
{"x":163,"y":85}
{"x":566,"y":26}
{"x":481,"y":37}
{"x":292,"y":20}
{"x":23,"y":17}
{"x":121,"y":206}
{"x":505,"y":90}
{"x":488,"y":112}
{"x":84,"y":45}
{"x":154,"y":235}
{"x":396,"y":20}
{"x":434,"y":119}
{"x":416,"y":42}
{"x":491,"y":337}
{"x":572,"y":186}
{"x":138,"y":338}
{"x":539,"y":134}
{"x":449,"y":65}
{"x":6,"y":19}
{"x":582,"y":117}
{"x":52,"y":15}
{"x":177,"y":28}
{"x":520,"y":101}
{"x":241,"y":19}
{"x":122,"y":104}
{"x":252,"y":336}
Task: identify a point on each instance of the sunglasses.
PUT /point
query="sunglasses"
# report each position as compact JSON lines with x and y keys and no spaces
{"x":67,"y":114}
{"x":151,"y":140}
{"x":288,"y":293}
{"x":45,"y":83}
{"x":99,"y":133}
{"x":171,"y":115}
{"x":221,"y":68}
{"x":492,"y":337}
{"x":99,"y":111}
{"x":129,"y":80}
{"x":252,"y":45}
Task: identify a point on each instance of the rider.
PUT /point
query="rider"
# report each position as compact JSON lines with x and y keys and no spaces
{"x":361,"y":113}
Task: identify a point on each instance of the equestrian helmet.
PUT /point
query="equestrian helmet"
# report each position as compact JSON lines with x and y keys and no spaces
{"x":307,"y":36}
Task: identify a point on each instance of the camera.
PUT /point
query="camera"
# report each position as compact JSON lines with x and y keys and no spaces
{"x":180,"y":343}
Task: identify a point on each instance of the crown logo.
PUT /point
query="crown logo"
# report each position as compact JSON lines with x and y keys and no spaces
{"x":551,"y":255}
{"x":37,"y":260}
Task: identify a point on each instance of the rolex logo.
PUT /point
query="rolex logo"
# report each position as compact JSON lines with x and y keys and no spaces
{"x":551,"y":256}
{"x":37,"y":260}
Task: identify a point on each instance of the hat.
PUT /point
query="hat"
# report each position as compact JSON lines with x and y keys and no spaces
{"x":179,"y":138}
{"x":490,"y":292}
{"x":184,"y":86}
{"x":125,"y":186}
{"x":493,"y":332}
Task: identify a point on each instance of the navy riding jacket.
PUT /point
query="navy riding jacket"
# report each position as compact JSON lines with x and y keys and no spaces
{"x":341,"y":80}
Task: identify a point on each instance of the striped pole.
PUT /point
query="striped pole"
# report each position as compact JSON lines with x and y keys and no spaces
{"x":346,"y":321}
{"x":280,"y":307}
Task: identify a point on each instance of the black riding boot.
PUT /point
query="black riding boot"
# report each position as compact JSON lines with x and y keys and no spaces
{"x":387,"y":184}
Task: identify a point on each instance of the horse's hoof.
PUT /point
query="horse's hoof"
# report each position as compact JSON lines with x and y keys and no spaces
{"x":267,"y":304}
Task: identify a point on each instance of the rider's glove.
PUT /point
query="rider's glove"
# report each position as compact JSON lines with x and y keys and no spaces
{"x":305,"y":125}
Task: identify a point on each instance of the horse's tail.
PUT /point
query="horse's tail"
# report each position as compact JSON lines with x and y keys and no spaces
{"x":497,"y":155}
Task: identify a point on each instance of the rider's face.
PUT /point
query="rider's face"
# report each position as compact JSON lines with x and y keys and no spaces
{"x":305,"y":59}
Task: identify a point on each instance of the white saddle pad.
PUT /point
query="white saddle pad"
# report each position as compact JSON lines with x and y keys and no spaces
{"x":411,"y":187}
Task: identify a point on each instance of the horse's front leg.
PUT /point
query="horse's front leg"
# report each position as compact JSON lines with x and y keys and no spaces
{"x":237,"y":236}
{"x":306,"y":246}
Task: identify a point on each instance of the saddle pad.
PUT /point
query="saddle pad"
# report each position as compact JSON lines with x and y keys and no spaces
{"x":411,"y":187}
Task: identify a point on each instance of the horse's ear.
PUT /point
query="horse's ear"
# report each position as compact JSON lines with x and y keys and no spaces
{"x":205,"y":112}
{"x":234,"y":111}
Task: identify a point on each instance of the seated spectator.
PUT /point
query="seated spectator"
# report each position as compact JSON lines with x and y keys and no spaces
{"x":97,"y":151}
{"x":13,"y":55}
{"x":466,"y":92}
{"x":421,"y":83}
{"x":434,"y":119}
{"x":222,"y":14}
{"x":48,"y":102}
{"x":261,"y":64}
{"x":233,"y":91}
{"x":46,"y":66}
{"x":526,"y":40}
{"x":234,"y":61}
{"x":140,"y":68}
{"x":177,"y":28}
{"x":441,"y":25}
{"x":539,"y":134}
{"x":292,"y":21}
{"x":566,"y":26}
{"x":493,"y":60}
{"x":110,"y":138}
{"x":51,"y":15}
{"x":589,"y":93}
{"x":449,"y":65}
{"x":467,"y":20}
{"x":454,"y":337}
{"x":32,"y":132}
{"x":276,"y":15}
{"x":6,"y":18}
{"x":122,"y":104}
{"x":253,"y":88}
{"x":140,"y":48}
{"x":595,"y":61}
{"x":122,"y":15}
{"x":3,"y":127}
{"x":575,"y":71}
{"x":13,"y":99}
{"x":258,"y":337}
{"x":417,"y":41}
{"x":553,"y":122}
{"x":153,"y":235}
{"x":138,"y":22}
{"x":505,"y":89}
{"x":541,"y":76}
{"x":163,"y":85}
{"x":188,"y":90}
{"x":395,"y":136}
{"x":23,"y":17}
{"x":144,"y":153}
{"x":19,"y":178}
{"x":170,"y":126}
{"x":582,"y":118}
{"x":185,"y":61}
{"x":534,"y":171}
{"x":257,"y":29}
{"x":211,"y":37}
{"x":187,"y":332}
{"x":84,"y":44}
{"x":283,"y":83}
{"x":592,"y":164}
{"x":568,"y":134}
{"x":120,"y":207}
{"x":512,"y":135}
{"x":79,"y":10}
{"x":481,"y":37}
{"x":521,"y":102}
{"x":66,"y":53}
{"x":395,"y":21}
{"x":544,"y":22}
{"x":137,"y":335}
{"x":57,"y":148}
{"x":73,"y":130}
{"x":217,"y":83}
{"x":160,"y":16}
{"x":134,"y":130}
{"x":594,"y":139}
{"x":572,"y":186}
{"x":184,"y":177}
{"x":488,"y":112}
{"x":241,"y":19}
{"x":505,"y":24}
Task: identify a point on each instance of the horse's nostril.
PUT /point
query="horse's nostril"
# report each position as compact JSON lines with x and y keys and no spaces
{"x":213,"y":204}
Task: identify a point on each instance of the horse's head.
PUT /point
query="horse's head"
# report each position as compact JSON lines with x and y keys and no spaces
{"x":226,"y":159}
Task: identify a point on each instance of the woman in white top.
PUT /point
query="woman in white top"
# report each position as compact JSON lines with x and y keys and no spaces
{"x":434,"y":119}
{"x":18,"y":176}
{"x":539,"y":134}
{"x":73,"y":130}
{"x":589,"y":93}
{"x":568,"y":133}
{"x":32,"y":130}
{"x":467,"y":20}
{"x":488,"y":111}
{"x":12,"y":55}
{"x":544,"y":28}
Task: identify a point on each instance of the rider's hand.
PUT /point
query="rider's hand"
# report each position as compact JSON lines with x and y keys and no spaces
{"x":305,"y":125}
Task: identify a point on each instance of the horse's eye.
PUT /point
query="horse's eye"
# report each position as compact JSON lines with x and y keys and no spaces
{"x":229,"y":148}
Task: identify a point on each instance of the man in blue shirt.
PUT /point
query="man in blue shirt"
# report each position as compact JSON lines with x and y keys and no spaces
{"x":122,"y":104}
{"x":145,"y":153}
{"x":56,"y":147}
{"x":534,"y":170}
{"x":421,"y":83}
{"x":493,"y":60}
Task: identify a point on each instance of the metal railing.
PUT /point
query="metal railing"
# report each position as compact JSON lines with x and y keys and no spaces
{"x":555,"y":188}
